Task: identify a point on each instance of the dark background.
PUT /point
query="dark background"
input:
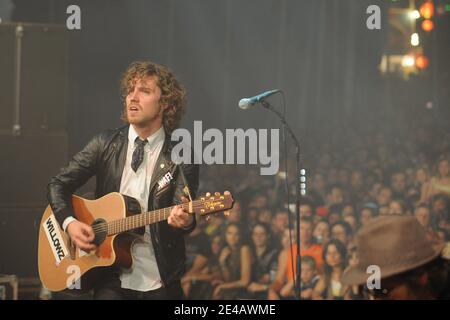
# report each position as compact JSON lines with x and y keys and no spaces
{"x":319,"y":52}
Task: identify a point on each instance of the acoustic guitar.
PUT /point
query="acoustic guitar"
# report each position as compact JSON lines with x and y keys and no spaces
{"x":113,"y":218}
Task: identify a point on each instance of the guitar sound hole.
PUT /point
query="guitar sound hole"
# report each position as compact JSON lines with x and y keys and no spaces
{"x":100,"y":229}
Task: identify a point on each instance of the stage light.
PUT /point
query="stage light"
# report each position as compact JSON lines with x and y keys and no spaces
{"x":427,"y":10}
{"x":427,"y":25}
{"x":415,"y":39}
{"x":408,"y":61}
{"x":414,"y":14}
{"x":422,"y":62}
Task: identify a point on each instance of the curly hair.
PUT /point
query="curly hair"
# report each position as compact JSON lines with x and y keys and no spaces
{"x":173,"y":94}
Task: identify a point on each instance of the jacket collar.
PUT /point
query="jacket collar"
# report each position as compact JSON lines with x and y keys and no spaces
{"x":163,"y":163}
{"x":153,"y":140}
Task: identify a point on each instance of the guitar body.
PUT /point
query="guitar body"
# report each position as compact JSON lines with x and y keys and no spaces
{"x":61,"y":265}
{"x":115,"y":218}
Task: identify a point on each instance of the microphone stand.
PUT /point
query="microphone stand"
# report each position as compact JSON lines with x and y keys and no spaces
{"x":298,"y":270}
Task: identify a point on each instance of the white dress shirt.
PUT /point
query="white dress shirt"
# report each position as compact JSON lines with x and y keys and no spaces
{"x":144,"y":274}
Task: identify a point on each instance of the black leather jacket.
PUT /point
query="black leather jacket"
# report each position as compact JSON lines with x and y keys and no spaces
{"x":104,"y":156}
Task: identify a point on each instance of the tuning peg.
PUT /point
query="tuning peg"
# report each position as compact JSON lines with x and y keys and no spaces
{"x":217,"y":194}
{"x":208,"y":194}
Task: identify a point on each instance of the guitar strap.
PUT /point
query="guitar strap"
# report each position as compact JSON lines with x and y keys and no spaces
{"x":186,"y":186}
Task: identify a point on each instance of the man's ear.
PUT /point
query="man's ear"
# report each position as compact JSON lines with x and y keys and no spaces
{"x":164,"y":106}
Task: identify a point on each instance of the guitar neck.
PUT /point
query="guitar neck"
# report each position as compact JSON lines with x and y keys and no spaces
{"x":143,"y":219}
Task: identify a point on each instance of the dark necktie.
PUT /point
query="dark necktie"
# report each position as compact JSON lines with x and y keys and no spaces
{"x":138,"y":153}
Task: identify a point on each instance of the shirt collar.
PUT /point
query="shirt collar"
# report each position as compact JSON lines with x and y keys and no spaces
{"x":155,"y":138}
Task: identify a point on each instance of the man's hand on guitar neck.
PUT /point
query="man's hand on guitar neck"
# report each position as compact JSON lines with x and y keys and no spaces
{"x":81,"y":235}
{"x":180,"y":218}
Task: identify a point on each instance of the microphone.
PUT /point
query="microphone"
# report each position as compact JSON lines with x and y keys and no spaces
{"x":250,"y":102}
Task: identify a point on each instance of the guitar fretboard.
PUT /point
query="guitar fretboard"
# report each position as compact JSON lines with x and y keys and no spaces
{"x":143,"y":219}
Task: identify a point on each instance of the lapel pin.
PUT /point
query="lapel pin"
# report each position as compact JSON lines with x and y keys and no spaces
{"x":162,"y":165}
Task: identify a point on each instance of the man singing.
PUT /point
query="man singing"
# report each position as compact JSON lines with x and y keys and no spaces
{"x":131,"y":160}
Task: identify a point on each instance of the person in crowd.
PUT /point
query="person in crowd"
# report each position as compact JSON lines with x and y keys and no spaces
{"x":321,"y":232}
{"x":199,"y":284}
{"x":306,"y":209}
{"x":318,"y":188}
{"x":352,"y":221}
{"x":342,"y":231}
{"x":439,"y":183}
{"x":279,"y":224}
{"x":384,"y":196}
{"x":235,"y":214}
{"x":383,"y":210}
{"x":422,"y":214}
{"x":309,"y":280}
{"x":367,"y":213}
{"x":335,"y":195}
{"x":251,"y":216}
{"x":235,"y":263}
{"x":398,"y":207}
{"x":422,"y":177}
{"x":348,"y":209}
{"x":343,"y":177}
{"x":198,"y":249}
{"x":354,"y":292}
{"x":357,"y":186}
{"x":421,"y":276}
{"x":330,"y":286}
{"x":440,"y":212}
{"x":307,"y":248}
{"x":264,"y":216}
{"x":398,"y":185}
{"x":281,"y":276}
{"x":374,"y":191}
{"x":265,"y":261}
{"x":334,"y":214}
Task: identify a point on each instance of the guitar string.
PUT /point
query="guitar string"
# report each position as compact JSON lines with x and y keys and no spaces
{"x":118,"y":224}
{"x":117,"y":228}
{"x":132,"y":219}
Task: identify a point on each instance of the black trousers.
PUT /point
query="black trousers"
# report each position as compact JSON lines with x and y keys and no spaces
{"x":109,"y":288}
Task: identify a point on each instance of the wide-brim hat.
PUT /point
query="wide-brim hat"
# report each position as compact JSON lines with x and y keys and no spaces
{"x":395,"y":244}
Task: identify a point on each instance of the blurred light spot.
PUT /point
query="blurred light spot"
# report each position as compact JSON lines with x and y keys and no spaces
{"x":408,"y":61}
{"x":414,"y":14}
{"x":415,"y":39}
{"x":427,"y":25}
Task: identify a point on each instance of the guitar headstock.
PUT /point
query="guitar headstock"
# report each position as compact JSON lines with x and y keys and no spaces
{"x":209,"y":204}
